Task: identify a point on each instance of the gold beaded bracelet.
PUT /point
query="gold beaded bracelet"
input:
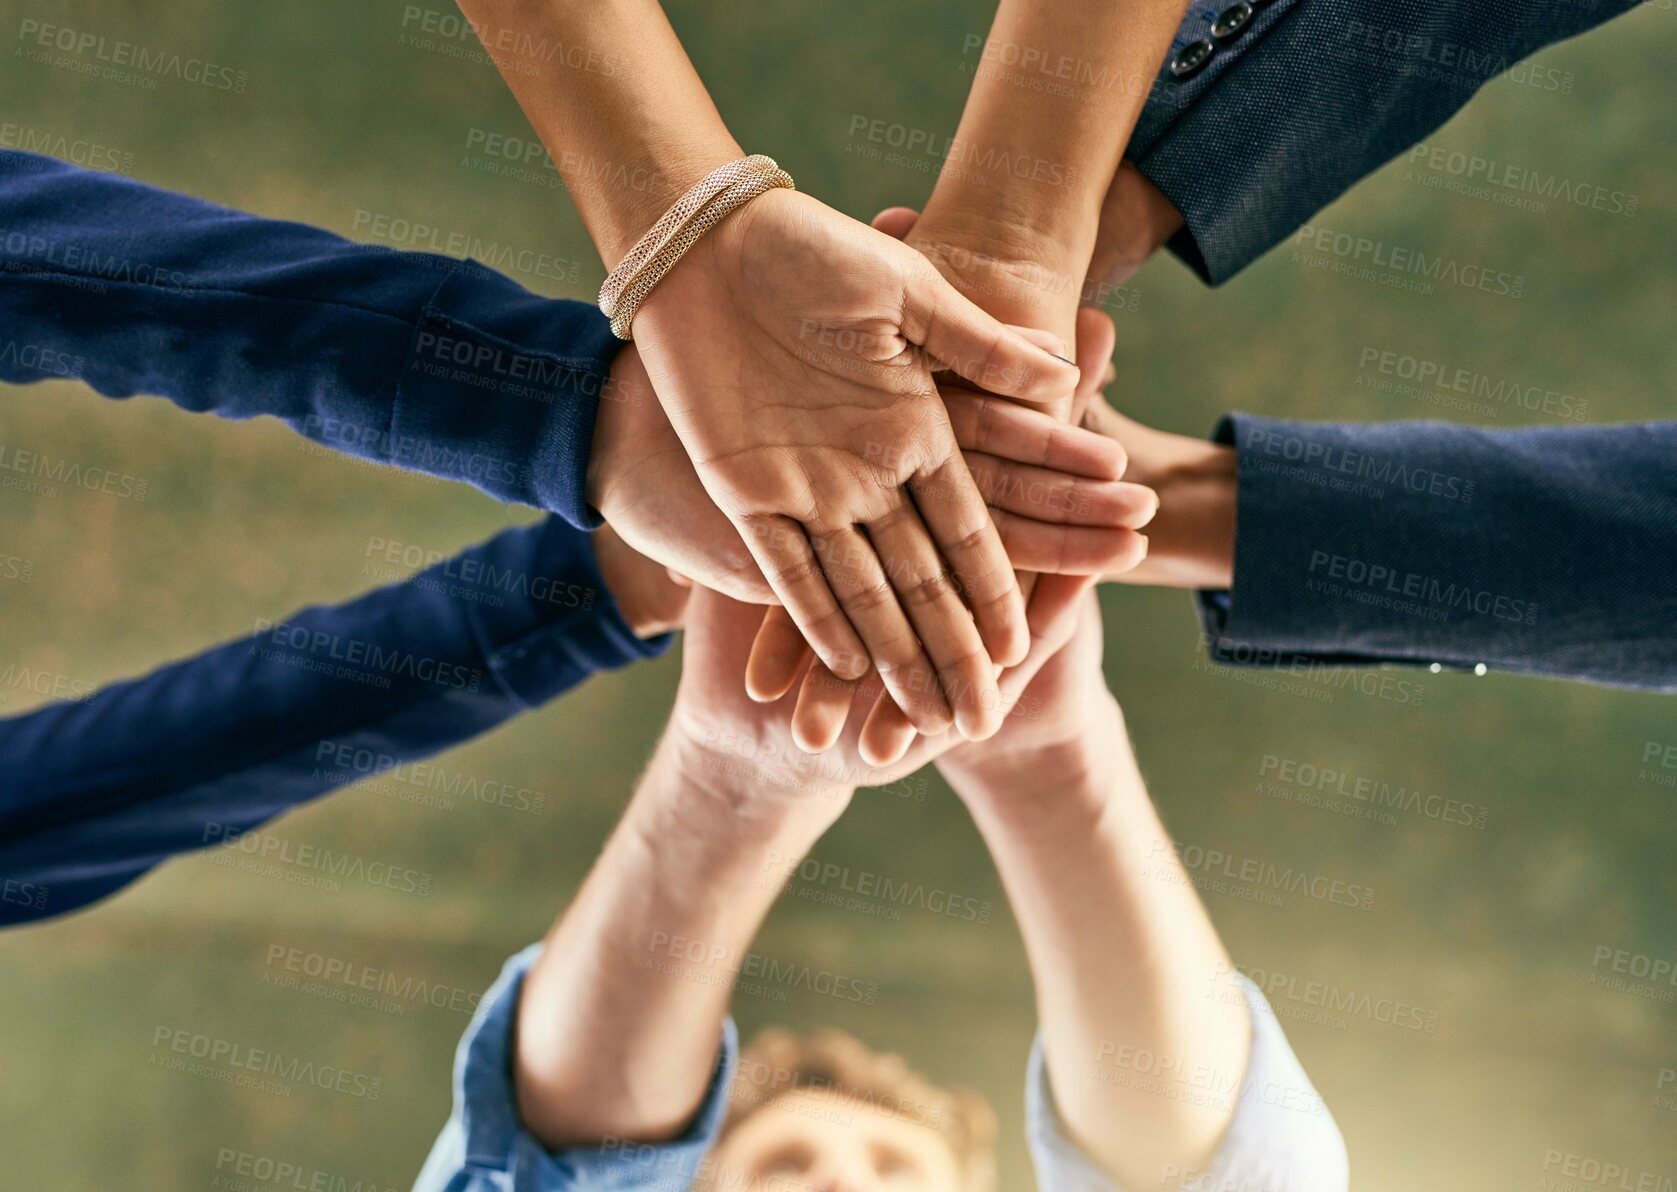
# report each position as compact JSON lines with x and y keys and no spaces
{"x":705,"y":204}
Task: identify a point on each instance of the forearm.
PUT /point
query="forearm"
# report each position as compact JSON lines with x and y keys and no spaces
{"x":377,"y":354}
{"x":611,"y":93}
{"x":316,"y":701}
{"x":1121,"y":951}
{"x":1021,"y":195}
{"x":1429,"y":542}
{"x":620,"y":1018}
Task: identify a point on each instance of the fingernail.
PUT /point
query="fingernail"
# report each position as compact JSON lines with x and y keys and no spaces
{"x":1057,"y":356}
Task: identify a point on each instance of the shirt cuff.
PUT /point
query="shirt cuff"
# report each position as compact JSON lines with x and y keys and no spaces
{"x":1281,"y":1138}
{"x":562,"y":623}
{"x":501,"y":388}
{"x":1290,"y":503}
{"x":485,"y":1146}
{"x":1187,"y":141}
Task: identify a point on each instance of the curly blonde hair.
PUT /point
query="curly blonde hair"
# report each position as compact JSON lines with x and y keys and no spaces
{"x":778,"y":1062}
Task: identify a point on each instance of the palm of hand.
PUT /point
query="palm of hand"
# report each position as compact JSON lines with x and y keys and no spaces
{"x":785,"y":371}
{"x":714,"y":716}
{"x":782,"y":348}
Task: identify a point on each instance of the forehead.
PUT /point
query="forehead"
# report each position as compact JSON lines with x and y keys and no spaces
{"x":822,"y":1117}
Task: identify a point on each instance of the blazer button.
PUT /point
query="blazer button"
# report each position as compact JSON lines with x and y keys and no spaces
{"x":1231,"y":21}
{"x":1191,"y":57}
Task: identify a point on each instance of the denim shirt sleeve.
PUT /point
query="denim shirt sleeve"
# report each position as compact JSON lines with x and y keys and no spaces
{"x":484,"y":1148}
{"x":1541,"y":550}
{"x":404,"y":358}
{"x":1281,"y":1139}
{"x":1312,"y":96}
{"x":98,"y":790}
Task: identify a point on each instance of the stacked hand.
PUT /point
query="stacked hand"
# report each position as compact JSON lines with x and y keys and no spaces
{"x":720,"y":730}
{"x":1052,"y":491}
{"x":793,"y":350}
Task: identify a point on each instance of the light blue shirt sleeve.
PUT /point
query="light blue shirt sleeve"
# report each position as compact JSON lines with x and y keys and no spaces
{"x":1282,"y":1137}
{"x":484,"y":1148}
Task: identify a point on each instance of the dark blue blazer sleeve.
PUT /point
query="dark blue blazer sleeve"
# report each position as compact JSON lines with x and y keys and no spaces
{"x":1311,"y":96}
{"x":96,"y":792}
{"x":411,"y":359}
{"x":1545,"y":550}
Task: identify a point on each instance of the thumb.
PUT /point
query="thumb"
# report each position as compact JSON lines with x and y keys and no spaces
{"x":965,"y":340}
{"x":896,"y":222}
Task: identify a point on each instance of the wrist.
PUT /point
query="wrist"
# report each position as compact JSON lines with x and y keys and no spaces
{"x":1136,"y":219}
{"x":656,"y":178}
{"x":1022,"y":265}
{"x":648,"y":600}
{"x":1191,"y":539}
{"x":1081,"y":768}
{"x":754,"y":777}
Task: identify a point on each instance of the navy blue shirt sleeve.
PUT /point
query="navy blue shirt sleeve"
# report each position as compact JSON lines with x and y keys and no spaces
{"x":411,"y":359}
{"x":1543,"y":550}
{"x":95,"y":792}
{"x":1304,"y":100}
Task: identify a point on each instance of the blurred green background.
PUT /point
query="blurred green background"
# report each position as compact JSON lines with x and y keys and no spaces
{"x":1491,"y":933}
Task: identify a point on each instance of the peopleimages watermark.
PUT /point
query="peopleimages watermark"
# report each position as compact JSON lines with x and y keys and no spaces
{"x":1270,"y":668}
{"x":415,"y":235}
{"x":1472,"y":391}
{"x":47,"y":684}
{"x":448,"y":32}
{"x":1179,"y":1078}
{"x":313,"y":865}
{"x":862,"y":891}
{"x":245,"y":1171}
{"x":1251,"y":879}
{"x":1049,"y":71}
{"x":1659,"y":763}
{"x":1509,"y":185}
{"x":929,"y":151}
{"x":1360,"y":795}
{"x":1405,"y":52}
{"x":14,"y":570}
{"x":1428,"y":596}
{"x":753,"y":973}
{"x":356,"y":658}
{"x":120,"y":61}
{"x":32,"y":895}
{"x":1314,"y":459}
{"x":351,"y":982}
{"x":1652,"y":978}
{"x":424,"y":783}
{"x":1320,"y":1003}
{"x":1396,"y":266}
{"x":468,"y":576}
{"x":24,"y":469}
{"x":381,"y":447}
{"x":1665,"y":1090}
{"x":782,"y":764}
{"x":1584,"y":1173}
{"x":244,"y":1066}
{"x":93,"y":155}
{"x":94,"y":269}
{"x":41,"y":359}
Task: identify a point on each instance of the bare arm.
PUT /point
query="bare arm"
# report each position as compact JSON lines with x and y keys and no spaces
{"x":1121,"y":950}
{"x":783,"y":347}
{"x":1014,"y":216}
{"x":619,"y":1019}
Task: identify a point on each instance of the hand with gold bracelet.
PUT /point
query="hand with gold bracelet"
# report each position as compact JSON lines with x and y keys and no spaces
{"x":793,"y":349}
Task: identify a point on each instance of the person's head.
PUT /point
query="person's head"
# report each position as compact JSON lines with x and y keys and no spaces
{"x":824,"y":1113}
